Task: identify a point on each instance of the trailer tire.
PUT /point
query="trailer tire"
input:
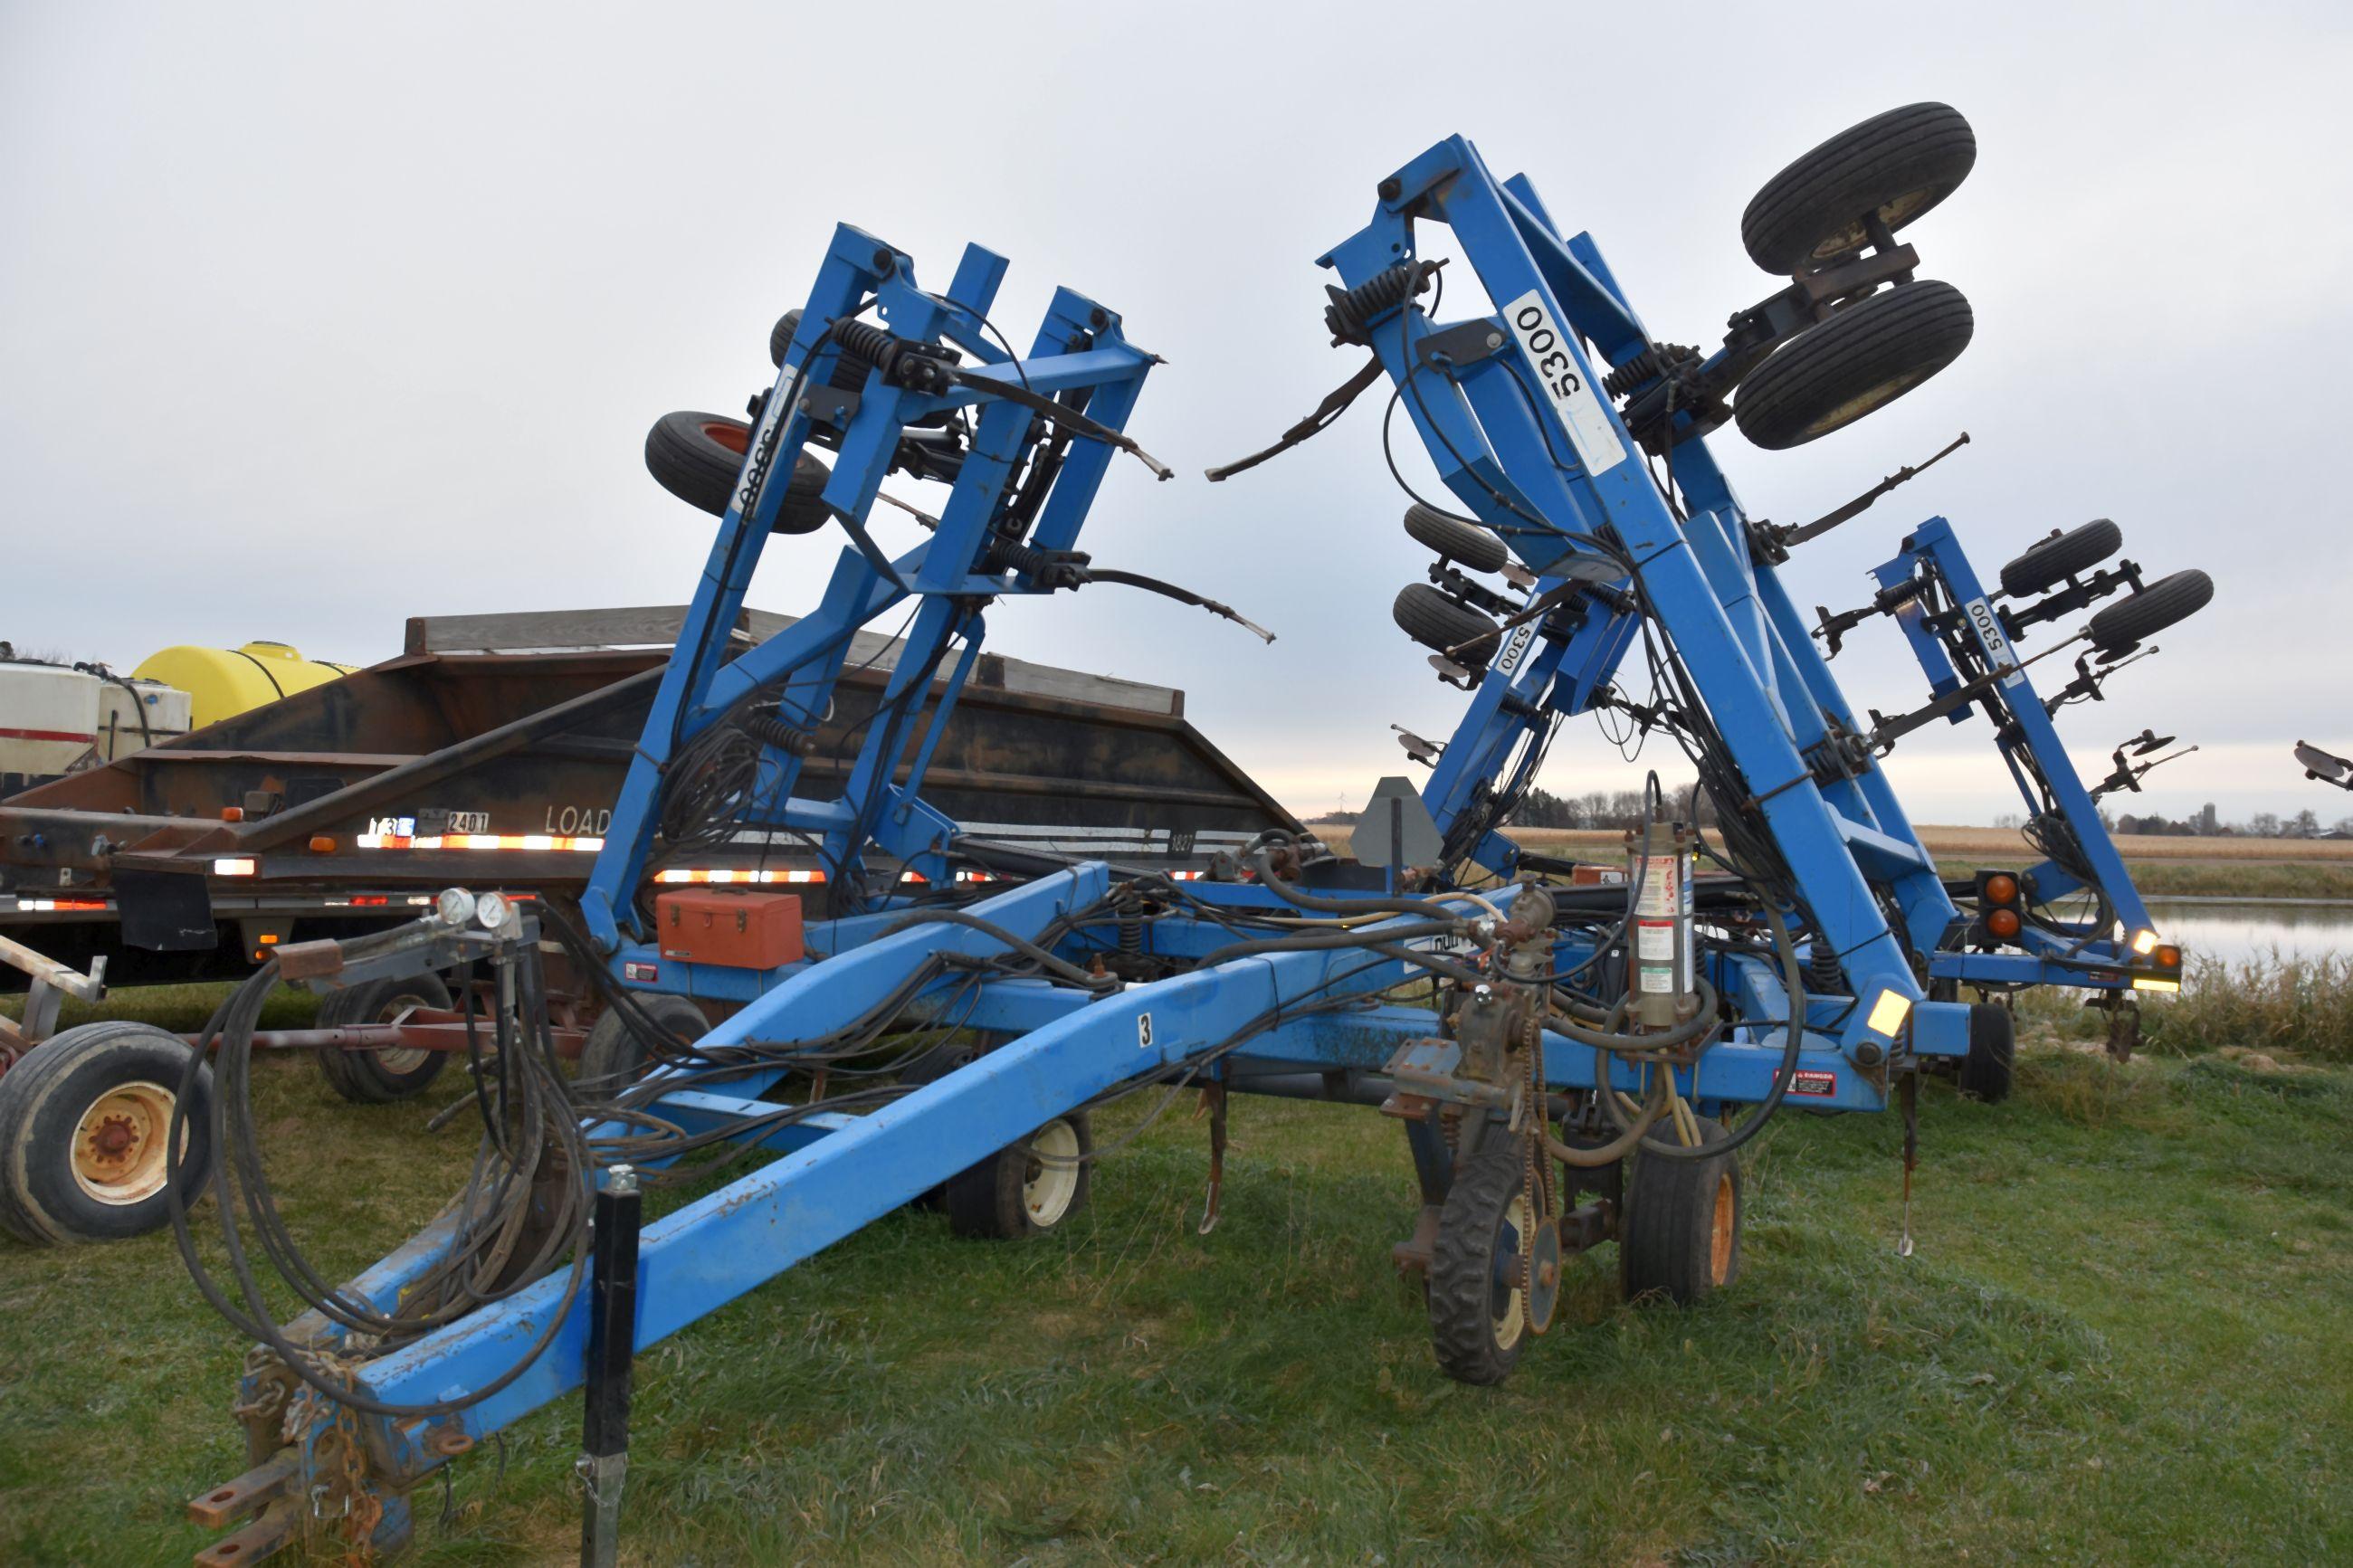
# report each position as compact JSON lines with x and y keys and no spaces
{"x":2123,"y":624}
{"x":780,"y":336}
{"x":1455,"y":540}
{"x":614,"y":1056}
{"x":379,"y":1077}
{"x":1898,"y":164}
{"x":2047,"y":563}
{"x":1012,"y":1194}
{"x":698,"y":458}
{"x":1478,"y":1325}
{"x":1679,"y":1234}
{"x":1863,"y":358}
{"x":1987,"y":1071}
{"x":1436,"y":622}
{"x":84,"y":1118}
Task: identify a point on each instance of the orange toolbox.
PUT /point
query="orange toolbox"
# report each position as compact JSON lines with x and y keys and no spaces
{"x":737,"y":931}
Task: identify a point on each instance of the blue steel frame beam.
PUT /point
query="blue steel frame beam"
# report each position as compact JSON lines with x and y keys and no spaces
{"x":1079,"y":349}
{"x":1523,"y":477}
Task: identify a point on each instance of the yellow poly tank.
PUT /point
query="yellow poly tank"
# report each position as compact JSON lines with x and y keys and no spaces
{"x":223,"y":682}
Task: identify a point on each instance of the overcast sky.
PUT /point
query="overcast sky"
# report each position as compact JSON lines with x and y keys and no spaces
{"x":315,"y":318}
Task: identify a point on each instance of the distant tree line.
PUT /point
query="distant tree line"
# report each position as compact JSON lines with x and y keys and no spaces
{"x":2305,"y":824}
{"x":1614,"y":809}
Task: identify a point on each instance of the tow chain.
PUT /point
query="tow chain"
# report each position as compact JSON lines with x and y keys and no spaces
{"x":1535,"y":1174}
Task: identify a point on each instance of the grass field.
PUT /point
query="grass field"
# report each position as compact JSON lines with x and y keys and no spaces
{"x":2161,"y":867}
{"x":2126,"y":1337}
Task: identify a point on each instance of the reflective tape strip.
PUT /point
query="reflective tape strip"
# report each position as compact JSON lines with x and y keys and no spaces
{"x":478,"y":841}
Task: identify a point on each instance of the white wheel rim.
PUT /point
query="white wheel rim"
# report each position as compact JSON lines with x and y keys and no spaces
{"x":400,"y":1061}
{"x":1051,"y":1183}
{"x":118,"y":1155}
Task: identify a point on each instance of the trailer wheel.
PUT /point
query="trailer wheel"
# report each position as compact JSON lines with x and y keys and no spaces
{"x":1435,"y":621}
{"x":2047,"y":562}
{"x":1679,"y":1234}
{"x":1454,"y":539}
{"x":1897,"y":164}
{"x":84,"y":1121}
{"x":378,"y":1078}
{"x":1025,"y":1188}
{"x":1478,"y":1318}
{"x":698,"y":456}
{"x":1987,"y":1071}
{"x":780,"y":336}
{"x":2123,"y":624}
{"x":1863,"y":358}
{"x":614,"y":1056}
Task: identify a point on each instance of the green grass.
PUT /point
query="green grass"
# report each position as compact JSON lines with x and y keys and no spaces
{"x":2158,"y":878}
{"x":2126,"y":1337}
{"x":2293,"y":1007}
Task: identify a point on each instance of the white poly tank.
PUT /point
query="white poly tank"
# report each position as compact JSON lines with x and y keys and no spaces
{"x":48,"y":715}
{"x":137,"y":714}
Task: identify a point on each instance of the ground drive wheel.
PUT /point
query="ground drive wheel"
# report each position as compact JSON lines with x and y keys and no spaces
{"x":1435,"y":621}
{"x":614,"y":1056}
{"x":1025,"y":1188}
{"x":375,"y":1078}
{"x":2047,"y":563}
{"x":1679,"y":1234}
{"x":84,"y":1123}
{"x":1897,"y":164}
{"x":1986,"y":1072}
{"x":2122,"y":625}
{"x":697,"y":457}
{"x":1863,"y":358}
{"x":1478,"y":1314}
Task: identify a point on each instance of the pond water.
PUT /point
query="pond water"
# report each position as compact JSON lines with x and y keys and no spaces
{"x":2236,"y":931}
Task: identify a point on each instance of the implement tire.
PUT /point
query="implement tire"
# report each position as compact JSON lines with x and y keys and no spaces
{"x":1478,"y":1324}
{"x":1015,"y":1193}
{"x":1987,"y":1071}
{"x":698,"y":458}
{"x":1679,"y":1234}
{"x":1898,"y":164}
{"x":2123,"y":625}
{"x":378,"y":1078}
{"x":2047,"y":563}
{"x":1436,"y":622}
{"x":1863,"y":358}
{"x":1455,"y":540}
{"x":84,"y":1120}
{"x":614,"y":1056}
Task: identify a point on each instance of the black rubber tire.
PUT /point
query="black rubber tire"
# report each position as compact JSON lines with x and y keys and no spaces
{"x":1987,"y":1071}
{"x":698,"y":456}
{"x":2124,"y":624}
{"x":43,"y":1099}
{"x":986,"y":1202}
{"x":1863,"y":358}
{"x":376,"y":1078}
{"x":1477,"y":1325}
{"x":2047,"y":563}
{"x":780,"y":336}
{"x":1456,"y":541}
{"x":1436,"y":622}
{"x":932,"y":1066}
{"x":613,"y":1057}
{"x":1900,"y":163}
{"x":1676,"y":1238}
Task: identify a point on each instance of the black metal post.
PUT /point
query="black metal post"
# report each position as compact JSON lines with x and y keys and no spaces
{"x":612,"y":1341}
